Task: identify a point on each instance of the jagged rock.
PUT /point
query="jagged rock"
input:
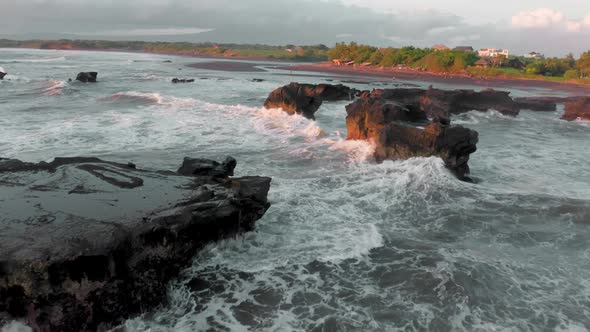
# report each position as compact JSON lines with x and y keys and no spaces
{"x":206,"y":167}
{"x":577,"y":109}
{"x":439,"y":105}
{"x":87,"y":77}
{"x":306,"y":99}
{"x":402,"y":132}
{"x":87,"y":243}
{"x":2,"y":73}
{"x":182,"y":80}
{"x":544,"y":104}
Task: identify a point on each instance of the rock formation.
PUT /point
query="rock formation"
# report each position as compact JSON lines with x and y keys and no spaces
{"x":403,"y":131}
{"x":87,"y":77}
{"x":577,"y":109}
{"x":306,"y":99}
{"x":2,"y":73}
{"x":87,"y":243}
{"x":439,"y":105}
{"x":182,"y":80}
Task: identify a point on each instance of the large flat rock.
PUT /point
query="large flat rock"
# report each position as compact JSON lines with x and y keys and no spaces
{"x":86,"y":243}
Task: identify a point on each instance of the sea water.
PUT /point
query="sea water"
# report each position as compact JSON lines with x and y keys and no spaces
{"x":348,"y":244}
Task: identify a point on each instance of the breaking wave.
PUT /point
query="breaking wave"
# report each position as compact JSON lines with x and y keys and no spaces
{"x":56,"y":59}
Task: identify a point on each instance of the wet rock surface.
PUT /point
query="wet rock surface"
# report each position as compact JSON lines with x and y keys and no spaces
{"x":306,"y":99}
{"x":439,"y":105}
{"x":88,"y":243}
{"x":403,"y":131}
{"x":577,"y":109}
{"x":87,"y":77}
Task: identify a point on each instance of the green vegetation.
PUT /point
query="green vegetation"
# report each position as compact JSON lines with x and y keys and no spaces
{"x":287,"y":52}
{"x":425,"y":59}
{"x":461,"y":62}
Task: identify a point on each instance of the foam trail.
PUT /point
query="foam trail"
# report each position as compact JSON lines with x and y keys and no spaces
{"x":61,"y":58}
{"x":54,"y":88}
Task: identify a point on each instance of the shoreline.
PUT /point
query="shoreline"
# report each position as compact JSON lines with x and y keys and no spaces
{"x":489,"y":82}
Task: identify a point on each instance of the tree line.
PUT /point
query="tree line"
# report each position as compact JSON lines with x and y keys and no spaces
{"x":458,"y":61}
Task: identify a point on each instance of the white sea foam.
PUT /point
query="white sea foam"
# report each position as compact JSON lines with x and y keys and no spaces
{"x":15,"y":326}
{"x":54,"y":88}
{"x":150,"y":98}
{"x":43,"y":60}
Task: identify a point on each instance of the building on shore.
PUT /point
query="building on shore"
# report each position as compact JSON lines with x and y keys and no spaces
{"x":534,"y":56}
{"x":482,"y":63}
{"x":440,"y":47}
{"x":492,"y":52}
{"x":463,"y":48}
{"x":342,"y":62}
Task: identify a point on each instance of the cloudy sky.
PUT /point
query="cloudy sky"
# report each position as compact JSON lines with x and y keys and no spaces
{"x":548,"y":26}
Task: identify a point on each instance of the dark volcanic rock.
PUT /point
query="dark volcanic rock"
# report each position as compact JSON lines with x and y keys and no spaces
{"x":182,"y":80}
{"x":2,"y":74}
{"x":87,"y":77}
{"x":206,"y":167}
{"x":87,"y":243}
{"x":577,"y":109}
{"x":439,"y":105}
{"x":544,"y":104}
{"x":401,"y":132}
{"x":538,"y":104}
{"x":306,"y":99}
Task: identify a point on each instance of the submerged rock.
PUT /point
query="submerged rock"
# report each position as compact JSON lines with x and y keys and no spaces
{"x":306,"y":99}
{"x":182,"y":80}
{"x":87,"y":77}
{"x":87,"y":243}
{"x":439,"y":105}
{"x":577,"y":109}
{"x":402,"y":132}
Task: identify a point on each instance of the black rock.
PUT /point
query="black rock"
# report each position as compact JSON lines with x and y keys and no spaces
{"x":86,"y":243}
{"x":206,"y":167}
{"x":87,"y":77}
{"x":182,"y":80}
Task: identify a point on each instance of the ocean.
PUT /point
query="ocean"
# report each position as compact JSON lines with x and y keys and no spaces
{"x":348,"y":244}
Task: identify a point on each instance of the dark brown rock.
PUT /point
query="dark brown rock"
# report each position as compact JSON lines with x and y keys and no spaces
{"x":306,"y":99}
{"x":87,"y":243}
{"x":577,"y":109}
{"x":87,"y":77}
{"x":206,"y":167}
{"x":439,"y":105}
{"x":399,"y":132}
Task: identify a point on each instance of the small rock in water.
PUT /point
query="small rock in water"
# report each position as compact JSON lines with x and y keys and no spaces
{"x":2,"y":73}
{"x":182,"y":80}
{"x":87,"y":77}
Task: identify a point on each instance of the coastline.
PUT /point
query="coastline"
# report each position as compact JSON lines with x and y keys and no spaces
{"x":373,"y":72}
{"x":490,"y":82}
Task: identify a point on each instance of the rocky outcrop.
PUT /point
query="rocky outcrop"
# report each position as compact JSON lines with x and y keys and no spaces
{"x":577,"y":109}
{"x":2,"y":73}
{"x":183,"y":80}
{"x":306,"y":99}
{"x":86,"y":243}
{"x":87,"y":77}
{"x":544,"y":104}
{"x":439,"y":105}
{"x":402,"y":131}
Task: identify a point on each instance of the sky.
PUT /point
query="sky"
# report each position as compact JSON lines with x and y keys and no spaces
{"x":554,"y":28}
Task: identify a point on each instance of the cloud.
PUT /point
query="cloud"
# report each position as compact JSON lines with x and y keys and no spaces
{"x":149,"y":32}
{"x":549,"y":18}
{"x":282,"y":22}
{"x":539,"y":18}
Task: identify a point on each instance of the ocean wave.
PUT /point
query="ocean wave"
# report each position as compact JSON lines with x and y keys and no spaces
{"x":43,"y":60}
{"x":150,"y":98}
{"x":54,"y":88}
{"x":476,"y":117}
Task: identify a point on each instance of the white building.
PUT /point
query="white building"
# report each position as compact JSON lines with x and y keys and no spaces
{"x":534,"y":55}
{"x":492,"y":52}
